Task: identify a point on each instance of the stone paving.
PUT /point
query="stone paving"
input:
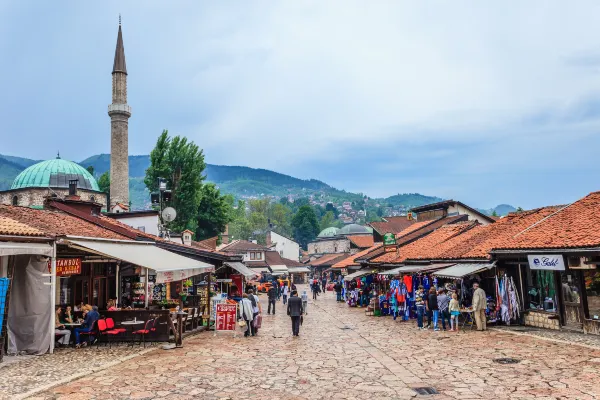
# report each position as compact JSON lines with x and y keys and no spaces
{"x":343,"y":354}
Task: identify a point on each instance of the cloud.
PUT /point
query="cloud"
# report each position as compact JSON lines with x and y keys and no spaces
{"x":451,"y":99}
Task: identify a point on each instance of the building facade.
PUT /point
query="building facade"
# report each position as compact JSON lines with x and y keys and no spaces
{"x":286,"y":247}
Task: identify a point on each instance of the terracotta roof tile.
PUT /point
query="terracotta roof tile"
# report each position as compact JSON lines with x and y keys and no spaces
{"x":362,"y":241}
{"x":572,"y":226}
{"x":328,"y":259}
{"x":9,"y":226}
{"x":207,"y":244}
{"x":392,"y":224}
{"x":242,"y":246}
{"x":348,"y":261}
{"x":274,"y":258}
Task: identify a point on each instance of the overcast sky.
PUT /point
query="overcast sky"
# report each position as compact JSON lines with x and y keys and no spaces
{"x":484,"y":102}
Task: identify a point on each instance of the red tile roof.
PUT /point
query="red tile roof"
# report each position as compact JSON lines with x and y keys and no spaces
{"x":274,"y":258}
{"x":242,"y":246}
{"x":573,"y":226}
{"x":362,"y":241}
{"x":57,"y":223}
{"x":9,"y":226}
{"x":391,"y":224}
{"x":348,"y":261}
{"x":210,"y":243}
{"x":328,"y":259}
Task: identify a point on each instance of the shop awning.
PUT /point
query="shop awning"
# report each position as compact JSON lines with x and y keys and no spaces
{"x":298,"y":270}
{"x":406,"y":269}
{"x":278,"y":268}
{"x":169,"y":266}
{"x":358,"y":274}
{"x":14,"y":248}
{"x":260,"y":270}
{"x":242,"y":269}
{"x":461,"y":270}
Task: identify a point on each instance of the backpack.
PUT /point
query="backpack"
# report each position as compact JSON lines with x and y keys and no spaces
{"x":253,"y":300}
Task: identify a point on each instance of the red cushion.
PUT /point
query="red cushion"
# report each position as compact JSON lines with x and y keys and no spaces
{"x":141,"y":332}
{"x":112,"y":332}
{"x":119,"y":329}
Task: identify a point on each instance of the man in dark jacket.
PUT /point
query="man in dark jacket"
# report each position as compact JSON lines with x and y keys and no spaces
{"x":338,"y":291}
{"x":272,"y":294}
{"x":294,"y":310}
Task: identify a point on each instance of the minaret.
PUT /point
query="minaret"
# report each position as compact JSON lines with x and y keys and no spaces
{"x":119,"y":113}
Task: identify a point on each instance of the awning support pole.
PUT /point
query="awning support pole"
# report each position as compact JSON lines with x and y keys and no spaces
{"x":146,"y":289}
{"x":52,"y":296}
{"x":117,"y":294}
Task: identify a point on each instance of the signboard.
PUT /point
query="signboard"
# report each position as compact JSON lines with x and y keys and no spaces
{"x":344,"y":271}
{"x":553,"y":262}
{"x":66,"y":266}
{"x":223,"y":280}
{"x":236,"y":280}
{"x":389,"y":239}
{"x":226,"y":317}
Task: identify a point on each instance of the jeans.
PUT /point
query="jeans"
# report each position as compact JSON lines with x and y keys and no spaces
{"x":304,"y":306}
{"x":445,"y":315}
{"x":436,"y":315}
{"x":364,"y":300}
{"x":314,"y":294}
{"x":420,"y":312}
{"x":339,"y":296}
{"x":285,"y":299}
{"x":271,"y":302}
{"x":77,"y":331}
{"x":429,"y":318}
{"x":295,"y":325}
{"x":249,"y":329}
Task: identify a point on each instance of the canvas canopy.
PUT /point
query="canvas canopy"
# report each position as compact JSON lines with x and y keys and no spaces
{"x":461,"y":270}
{"x":14,"y":248}
{"x":242,"y":269}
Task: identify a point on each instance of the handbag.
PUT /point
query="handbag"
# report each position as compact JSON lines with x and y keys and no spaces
{"x":241,"y":323}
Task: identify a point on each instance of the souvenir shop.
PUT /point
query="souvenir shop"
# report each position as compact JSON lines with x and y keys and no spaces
{"x":358,"y":287}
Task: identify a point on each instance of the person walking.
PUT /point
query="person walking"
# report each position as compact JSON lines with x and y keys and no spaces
{"x":338,"y":291}
{"x":432,"y":309}
{"x":272,"y":296}
{"x":285,"y":292}
{"x":315,"y":289}
{"x":324,"y":283}
{"x":304,"y":302}
{"x":294,"y":310}
{"x":443,"y":303}
{"x":256,"y":310}
{"x":479,"y":306}
{"x":247,"y":314}
{"x":420,"y":304}
{"x":454,"y":308}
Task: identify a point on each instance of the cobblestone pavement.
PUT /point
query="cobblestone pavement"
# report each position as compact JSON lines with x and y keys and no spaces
{"x":563,"y":336}
{"x":343,"y":354}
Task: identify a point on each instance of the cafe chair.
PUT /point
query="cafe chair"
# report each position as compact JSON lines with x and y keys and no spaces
{"x":105,"y":332}
{"x":143,"y":332}
{"x":110,"y":325}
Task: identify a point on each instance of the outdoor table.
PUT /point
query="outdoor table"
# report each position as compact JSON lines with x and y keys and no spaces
{"x":132,"y":324}
{"x":73,"y":324}
{"x":465,"y":315}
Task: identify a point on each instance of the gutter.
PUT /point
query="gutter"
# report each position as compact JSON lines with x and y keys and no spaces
{"x":14,"y":238}
{"x":551,"y":251}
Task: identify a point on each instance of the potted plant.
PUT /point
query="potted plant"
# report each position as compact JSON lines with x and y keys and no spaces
{"x":183,"y":296}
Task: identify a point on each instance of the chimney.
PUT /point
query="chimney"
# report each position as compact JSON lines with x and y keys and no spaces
{"x":269,"y":239}
{"x":225,"y":235}
{"x":186,"y":237}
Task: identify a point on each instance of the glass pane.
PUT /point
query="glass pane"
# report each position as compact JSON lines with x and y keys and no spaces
{"x":541,"y":293}
{"x":95,"y":293}
{"x":570,"y":287}
{"x":592,"y":289}
{"x":85,"y":292}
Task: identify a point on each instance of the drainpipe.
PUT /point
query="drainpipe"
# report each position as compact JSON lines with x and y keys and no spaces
{"x":52,"y":297}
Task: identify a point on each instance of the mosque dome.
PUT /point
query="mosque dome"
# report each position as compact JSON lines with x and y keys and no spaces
{"x":55,"y":173}
{"x":328,"y":232}
{"x":352,"y":229}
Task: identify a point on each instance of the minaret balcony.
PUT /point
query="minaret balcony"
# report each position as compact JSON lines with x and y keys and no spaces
{"x":119,"y":109}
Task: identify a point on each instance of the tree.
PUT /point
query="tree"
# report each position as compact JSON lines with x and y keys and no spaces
{"x":281,"y":217}
{"x":305,"y":224}
{"x":333,"y":209}
{"x":494,"y":213}
{"x":181,"y":164}
{"x":327,"y":220}
{"x":104,"y":182}
{"x":90,"y":169}
{"x":214,"y":212}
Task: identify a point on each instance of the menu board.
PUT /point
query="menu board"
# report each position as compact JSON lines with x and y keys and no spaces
{"x":226,"y":317}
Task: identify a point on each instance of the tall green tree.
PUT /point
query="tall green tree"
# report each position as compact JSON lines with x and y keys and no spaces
{"x":90,"y":169}
{"x":214,"y":212}
{"x":104,"y":182}
{"x":327,"y":220}
{"x":305,"y":224}
{"x":281,"y":217}
{"x":181,"y":163}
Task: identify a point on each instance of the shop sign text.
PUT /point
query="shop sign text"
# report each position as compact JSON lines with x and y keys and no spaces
{"x":553,"y":262}
{"x":66,"y":266}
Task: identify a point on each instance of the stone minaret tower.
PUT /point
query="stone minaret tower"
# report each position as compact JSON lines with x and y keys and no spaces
{"x":119,"y":113}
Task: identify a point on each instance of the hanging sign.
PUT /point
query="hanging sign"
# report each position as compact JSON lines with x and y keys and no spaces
{"x":66,"y":266}
{"x":389,"y":239}
{"x":226,"y":317}
{"x":553,"y":262}
{"x":344,"y":271}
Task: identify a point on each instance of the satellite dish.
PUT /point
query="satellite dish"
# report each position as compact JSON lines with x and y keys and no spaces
{"x":169,"y":214}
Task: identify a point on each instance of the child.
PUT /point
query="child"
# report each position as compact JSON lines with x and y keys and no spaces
{"x":304,"y":301}
{"x":454,"y":308}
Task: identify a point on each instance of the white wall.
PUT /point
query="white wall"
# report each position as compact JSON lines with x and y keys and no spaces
{"x":247,"y":255}
{"x":286,"y":247}
{"x":149,"y":222}
{"x":460,"y":210}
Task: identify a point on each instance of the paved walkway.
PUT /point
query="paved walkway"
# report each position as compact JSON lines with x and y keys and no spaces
{"x":343,"y":354}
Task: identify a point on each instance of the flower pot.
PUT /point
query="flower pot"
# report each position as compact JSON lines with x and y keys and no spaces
{"x":183,"y":297}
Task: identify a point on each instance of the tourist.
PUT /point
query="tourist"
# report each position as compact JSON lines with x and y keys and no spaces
{"x":315,"y":289}
{"x":79,"y":307}
{"x":365,"y":298}
{"x":443,"y":302}
{"x":61,"y":330}
{"x":285,"y":292}
{"x":67,"y":316}
{"x":338,"y":291}
{"x":272,"y":296}
{"x":454,"y":308}
{"x":304,"y":301}
{"x":432,"y":309}
{"x":294,"y":310}
{"x":479,"y":306}
{"x":420,"y":304}
{"x":112,"y":305}
{"x":90,"y":317}
{"x":247,"y":314}
{"x":256,"y":308}
{"x":324,"y":282}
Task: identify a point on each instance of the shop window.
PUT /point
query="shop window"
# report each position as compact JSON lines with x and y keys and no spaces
{"x":592,"y":289}
{"x":15,"y":200}
{"x":541,"y":291}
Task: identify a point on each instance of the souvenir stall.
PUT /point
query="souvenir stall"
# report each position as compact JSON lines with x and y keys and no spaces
{"x":354,"y":286}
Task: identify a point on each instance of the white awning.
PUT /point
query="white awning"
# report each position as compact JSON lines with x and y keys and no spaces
{"x":278,"y":268}
{"x":260,"y":270}
{"x":169,"y":266}
{"x":298,"y":270}
{"x":242,"y":269}
{"x":358,"y":274}
{"x":461,"y":270}
{"x":15,"y":248}
{"x":409,"y":269}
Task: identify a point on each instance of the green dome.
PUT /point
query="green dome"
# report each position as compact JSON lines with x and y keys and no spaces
{"x":55,"y":173}
{"x":355,"y":228}
{"x":328,"y":232}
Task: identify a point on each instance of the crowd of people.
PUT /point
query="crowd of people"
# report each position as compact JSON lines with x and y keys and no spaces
{"x":67,"y":325}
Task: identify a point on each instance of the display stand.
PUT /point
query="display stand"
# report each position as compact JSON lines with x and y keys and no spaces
{"x":226,"y":318}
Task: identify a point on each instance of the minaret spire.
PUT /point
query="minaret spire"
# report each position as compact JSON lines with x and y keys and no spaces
{"x":119,"y":64}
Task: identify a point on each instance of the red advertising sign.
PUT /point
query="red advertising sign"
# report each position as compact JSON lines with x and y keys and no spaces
{"x":226,"y":317}
{"x":66,"y":266}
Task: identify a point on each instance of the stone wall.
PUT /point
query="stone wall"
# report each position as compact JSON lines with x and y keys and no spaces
{"x":542,"y":320}
{"x":34,"y":197}
{"x":591,"y":326}
{"x":335,"y":245}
